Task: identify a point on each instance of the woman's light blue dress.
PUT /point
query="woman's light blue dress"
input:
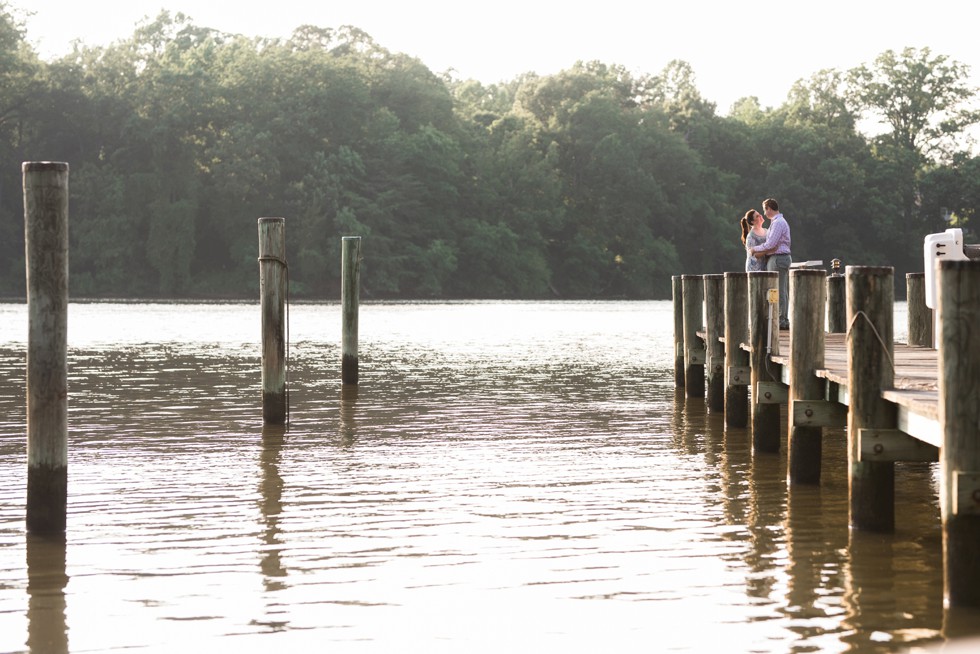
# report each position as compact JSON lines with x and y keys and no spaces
{"x":752,"y":263}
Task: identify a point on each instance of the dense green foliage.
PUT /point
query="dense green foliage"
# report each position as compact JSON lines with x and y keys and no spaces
{"x":589,"y":183}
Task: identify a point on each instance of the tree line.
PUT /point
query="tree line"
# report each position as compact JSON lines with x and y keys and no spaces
{"x":591,"y":183}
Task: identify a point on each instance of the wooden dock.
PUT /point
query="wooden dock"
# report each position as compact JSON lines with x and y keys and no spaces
{"x":838,"y":366}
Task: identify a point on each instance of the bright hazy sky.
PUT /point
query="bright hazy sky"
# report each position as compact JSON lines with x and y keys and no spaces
{"x":755,"y":47}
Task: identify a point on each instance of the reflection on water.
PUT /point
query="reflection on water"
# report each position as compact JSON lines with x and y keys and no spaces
{"x":506,"y":475}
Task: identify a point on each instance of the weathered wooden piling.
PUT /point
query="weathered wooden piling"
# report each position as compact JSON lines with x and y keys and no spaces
{"x":808,"y":290}
{"x":714,"y":328}
{"x":737,"y":373}
{"x":870,"y":351}
{"x":273,"y":280}
{"x":349,"y":300}
{"x":46,"y":247}
{"x":958,"y":308}
{"x":920,"y":318}
{"x":765,"y":416}
{"x":678,"y":298}
{"x":692,"y":288}
{"x":836,"y":300}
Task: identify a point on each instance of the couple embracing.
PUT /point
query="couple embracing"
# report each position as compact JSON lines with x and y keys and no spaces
{"x":769,"y":249}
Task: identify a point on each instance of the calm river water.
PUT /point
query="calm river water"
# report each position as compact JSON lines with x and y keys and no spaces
{"x":506,"y":477}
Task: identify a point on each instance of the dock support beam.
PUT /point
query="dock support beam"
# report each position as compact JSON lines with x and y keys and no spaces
{"x":736,"y":333}
{"x":808,"y":295}
{"x":836,"y":304}
{"x":678,"y":297}
{"x":765,"y":417}
{"x":958,"y":309}
{"x":692,"y":287}
{"x":714,"y":327}
{"x":870,"y":351}
{"x":920,"y":317}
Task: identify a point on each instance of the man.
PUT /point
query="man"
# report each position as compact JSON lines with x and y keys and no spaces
{"x":777,"y":246}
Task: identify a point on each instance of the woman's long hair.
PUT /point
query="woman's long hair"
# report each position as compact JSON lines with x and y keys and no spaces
{"x":746,"y":223}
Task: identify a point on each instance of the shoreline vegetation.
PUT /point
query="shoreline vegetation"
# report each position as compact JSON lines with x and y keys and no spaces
{"x":593,"y":183}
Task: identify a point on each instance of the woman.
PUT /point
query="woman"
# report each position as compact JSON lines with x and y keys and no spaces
{"x":753,"y":234}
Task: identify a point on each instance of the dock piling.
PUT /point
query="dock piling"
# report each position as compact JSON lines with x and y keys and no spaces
{"x":46,"y":246}
{"x":692,"y":288}
{"x":958,"y":309}
{"x":920,"y":318}
{"x":870,"y":351}
{"x":273,"y":280}
{"x":678,"y":298}
{"x":737,"y":373}
{"x":808,"y":293}
{"x":349,"y":301}
{"x":765,"y":417}
{"x":714,"y":327}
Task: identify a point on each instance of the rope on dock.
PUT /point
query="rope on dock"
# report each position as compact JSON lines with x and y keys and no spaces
{"x":861,"y":314}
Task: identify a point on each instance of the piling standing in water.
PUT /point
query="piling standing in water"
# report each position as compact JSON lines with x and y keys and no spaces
{"x":920,"y":317}
{"x":273,"y":280}
{"x":737,"y":372}
{"x":678,"y":298}
{"x":349,"y":298}
{"x":46,"y":247}
{"x":808,"y":290}
{"x":765,"y":417}
{"x":870,"y":351}
{"x":959,"y":416}
{"x":692,"y":288}
{"x":714,"y":327}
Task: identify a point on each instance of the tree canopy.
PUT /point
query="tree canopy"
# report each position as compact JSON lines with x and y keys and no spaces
{"x":593,"y":182}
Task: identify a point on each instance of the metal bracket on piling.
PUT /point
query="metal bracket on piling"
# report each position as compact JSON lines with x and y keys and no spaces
{"x":894,"y":445}
{"x":771,"y":393}
{"x":695,"y":357}
{"x":819,"y":413}
{"x":739,"y":375}
{"x":966,"y":493}
{"x":717,"y":365}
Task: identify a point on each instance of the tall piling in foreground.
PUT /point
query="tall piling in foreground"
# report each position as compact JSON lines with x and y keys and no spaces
{"x":806,"y":340}
{"x":714,"y":327}
{"x":349,"y":300}
{"x":765,"y":417}
{"x":870,"y":352}
{"x":736,"y":359}
{"x":692,"y":287}
{"x":920,"y":318}
{"x":273,"y":280}
{"x":958,"y":308}
{"x":46,"y":248}
{"x":678,"y":297}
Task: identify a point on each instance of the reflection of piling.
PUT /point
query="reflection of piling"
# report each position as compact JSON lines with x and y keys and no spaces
{"x":870,"y":351}
{"x":736,"y":359}
{"x":806,"y":357}
{"x":959,"y":416}
{"x":46,"y":581}
{"x":765,"y":417}
{"x":270,"y":504}
{"x":692,"y":288}
{"x":273,"y":279}
{"x":349,"y":298}
{"x":348,"y":413}
{"x":919,"y":315}
{"x":714,"y":328}
{"x":678,"y":297}
{"x":46,"y":242}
